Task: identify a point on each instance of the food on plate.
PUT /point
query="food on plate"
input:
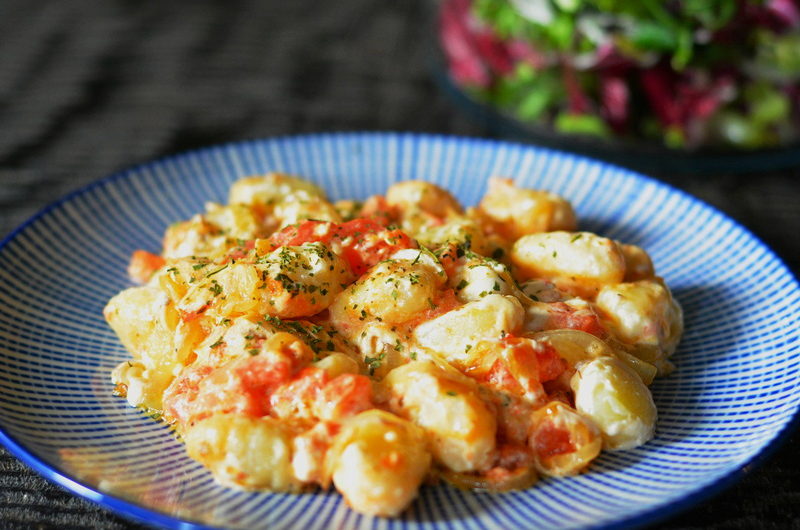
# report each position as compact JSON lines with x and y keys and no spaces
{"x":296,"y":343}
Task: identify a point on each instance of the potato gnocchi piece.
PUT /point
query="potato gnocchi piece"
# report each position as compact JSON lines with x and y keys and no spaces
{"x":301,"y":206}
{"x":270,"y":189}
{"x":453,"y":334}
{"x":213,"y":233}
{"x":638,"y":265}
{"x":336,"y":364}
{"x":419,"y":195}
{"x":290,"y":282}
{"x":581,"y":262}
{"x":393,"y":291}
{"x":516,"y":212}
{"x":377,"y":462}
{"x":144,"y":319}
{"x":460,"y":230}
{"x":540,"y":290}
{"x":194,"y":237}
{"x":382,"y":348}
{"x":245,"y":453}
{"x":643,"y":314}
{"x":141,"y":387}
{"x":461,"y":426}
{"x":617,"y":401}
{"x":476,"y":277}
{"x":237,"y":221}
{"x":308,"y":453}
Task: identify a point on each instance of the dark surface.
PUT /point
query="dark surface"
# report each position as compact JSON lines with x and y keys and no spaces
{"x":86,"y":90}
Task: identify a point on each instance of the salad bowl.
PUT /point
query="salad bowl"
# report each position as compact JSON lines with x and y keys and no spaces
{"x":688,"y":87}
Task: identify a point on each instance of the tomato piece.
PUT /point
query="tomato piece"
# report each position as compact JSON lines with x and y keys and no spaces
{"x":449,"y":257}
{"x":369,"y":248}
{"x":562,"y":316}
{"x":551,"y":365}
{"x":312,"y":395}
{"x":552,"y":441}
{"x":344,"y":396}
{"x":377,"y":209}
{"x":520,"y":366}
{"x":260,"y":374}
{"x":444,"y":301}
{"x":242,"y":386}
{"x":296,"y":398}
{"x":143,"y":265}
{"x":182,"y":392}
{"x":500,"y":377}
{"x":304,"y":232}
{"x":361,"y":242}
{"x":563,"y":441}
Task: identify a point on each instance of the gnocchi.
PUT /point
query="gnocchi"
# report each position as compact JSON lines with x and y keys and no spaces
{"x":294,"y":343}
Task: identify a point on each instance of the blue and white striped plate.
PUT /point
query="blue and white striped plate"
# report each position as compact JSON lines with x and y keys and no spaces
{"x":734,"y":392}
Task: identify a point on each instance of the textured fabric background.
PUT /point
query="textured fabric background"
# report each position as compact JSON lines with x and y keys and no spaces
{"x":88,"y":88}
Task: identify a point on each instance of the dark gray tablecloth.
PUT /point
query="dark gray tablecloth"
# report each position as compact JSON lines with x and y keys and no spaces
{"x":90,"y":88}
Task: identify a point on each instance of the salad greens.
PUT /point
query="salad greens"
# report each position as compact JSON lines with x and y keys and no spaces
{"x":687,"y":73}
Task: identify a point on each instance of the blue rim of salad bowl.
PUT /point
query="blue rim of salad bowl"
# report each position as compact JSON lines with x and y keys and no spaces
{"x":151,"y":515}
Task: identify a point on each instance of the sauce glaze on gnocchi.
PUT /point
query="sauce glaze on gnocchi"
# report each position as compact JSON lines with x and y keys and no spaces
{"x":295,"y":343}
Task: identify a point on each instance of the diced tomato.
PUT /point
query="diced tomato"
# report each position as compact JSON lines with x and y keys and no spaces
{"x":520,"y":368}
{"x":377,"y":209}
{"x":562,"y":316}
{"x":551,"y":365}
{"x":361,"y":242}
{"x":552,"y":441}
{"x":143,"y":265}
{"x":344,"y":396}
{"x":313,"y":395}
{"x":242,"y":386}
{"x":444,"y":301}
{"x":500,"y":377}
{"x":261,"y":374}
{"x":182,"y":392}
{"x":296,"y":398}
{"x":304,"y":232}
{"x":370,"y":248}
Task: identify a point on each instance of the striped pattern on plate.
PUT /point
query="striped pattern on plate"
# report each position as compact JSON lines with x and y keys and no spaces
{"x":734,"y":392}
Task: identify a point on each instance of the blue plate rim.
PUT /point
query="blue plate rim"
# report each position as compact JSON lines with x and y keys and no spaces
{"x":120,"y":506}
